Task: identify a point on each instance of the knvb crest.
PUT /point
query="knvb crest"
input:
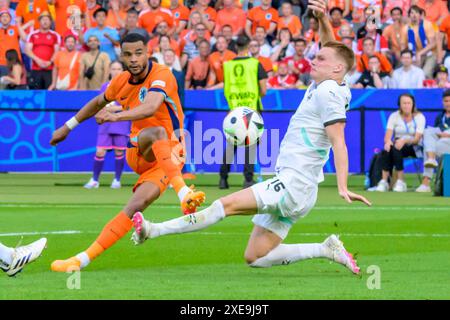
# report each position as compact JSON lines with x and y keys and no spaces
{"x":142,"y":94}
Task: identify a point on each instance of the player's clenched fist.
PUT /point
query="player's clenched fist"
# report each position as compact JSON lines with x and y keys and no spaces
{"x":59,"y":135}
{"x":318,"y":7}
{"x":105,"y":116}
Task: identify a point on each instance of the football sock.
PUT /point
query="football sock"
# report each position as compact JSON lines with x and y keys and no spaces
{"x":285,"y":254}
{"x":6,"y":254}
{"x":111,"y":233}
{"x":120,"y":161}
{"x":192,"y":222}
{"x":163,"y":154}
{"x":98,"y":166}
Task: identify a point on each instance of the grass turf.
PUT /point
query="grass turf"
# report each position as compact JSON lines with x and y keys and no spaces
{"x":406,"y":235}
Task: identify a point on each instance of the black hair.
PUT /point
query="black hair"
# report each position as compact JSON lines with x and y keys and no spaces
{"x":300,"y":40}
{"x":70,"y":36}
{"x":101,"y":9}
{"x":132,"y":11}
{"x":336,"y":9}
{"x":446,"y":94}
{"x":405,"y":51}
{"x":415,"y":8}
{"x":12,"y":56}
{"x":242,"y":42}
{"x":409,"y":95}
{"x":133,"y":37}
{"x":396,"y":9}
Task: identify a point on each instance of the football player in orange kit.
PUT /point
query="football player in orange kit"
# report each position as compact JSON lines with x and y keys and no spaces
{"x":148,"y":94}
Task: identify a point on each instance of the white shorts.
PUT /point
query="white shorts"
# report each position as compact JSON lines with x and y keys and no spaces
{"x":283,"y":200}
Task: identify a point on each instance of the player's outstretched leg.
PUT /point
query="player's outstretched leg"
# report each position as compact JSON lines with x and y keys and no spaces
{"x":154,"y":144}
{"x":263,"y":251}
{"x":12,"y":261}
{"x":114,"y":230}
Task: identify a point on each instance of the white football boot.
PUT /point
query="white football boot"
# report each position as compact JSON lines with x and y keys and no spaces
{"x":141,"y":229}
{"x":115,"y":184}
{"x":92,"y":184}
{"x":24,"y":255}
{"x":400,"y":186}
{"x":337,"y":253}
{"x":423,"y":188}
{"x":431,"y":163}
{"x":382,"y":186}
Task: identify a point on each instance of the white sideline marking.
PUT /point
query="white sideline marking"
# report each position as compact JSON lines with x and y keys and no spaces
{"x":356,"y":235}
{"x":18,"y":234}
{"x":88,"y":205}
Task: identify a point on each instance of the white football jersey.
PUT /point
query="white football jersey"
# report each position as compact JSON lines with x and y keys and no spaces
{"x":306,"y":147}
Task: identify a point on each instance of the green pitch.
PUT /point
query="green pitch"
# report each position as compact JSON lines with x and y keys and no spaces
{"x":406,"y":237}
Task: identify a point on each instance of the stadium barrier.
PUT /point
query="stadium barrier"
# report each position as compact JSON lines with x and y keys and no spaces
{"x":27,"y":119}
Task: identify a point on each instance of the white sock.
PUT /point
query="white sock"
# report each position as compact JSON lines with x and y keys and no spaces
{"x":192,"y":222}
{"x":183,"y":192}
{"x":6,"y":254}
{"x":285,"y":254}
{"x":84,"y":259}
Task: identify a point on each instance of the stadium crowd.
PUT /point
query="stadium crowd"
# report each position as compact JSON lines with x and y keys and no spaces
{"x":69,"y":44}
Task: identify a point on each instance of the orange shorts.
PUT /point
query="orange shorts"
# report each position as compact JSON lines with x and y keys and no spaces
{"x":150,"y":171}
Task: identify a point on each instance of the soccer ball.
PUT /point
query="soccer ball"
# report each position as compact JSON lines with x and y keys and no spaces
{"x":243,"y":126}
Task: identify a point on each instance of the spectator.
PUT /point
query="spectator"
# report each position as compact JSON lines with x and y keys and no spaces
{"x":92,"y":6}
{"x":352,"y":75}
{"x":368,"y":50}
{"x":403,"y":5}
{"x":9,"y":39}
{"x":131,"y":25}
{"x":363,"y":9}
{"x":150,"y":18}
{"x":162,"y":29}
{"x":191,"y":42}
{"x":422,"y":41}
{"x":164,"y":45}
{"x":108,"y":37}
{"x":298,"y":65}
{"x":260,"y":36}
{"x":64,"y":9}
{"x":405,"y":127}
{"x":284,"y":48}
{"x":346,"y":31}
{"x":312,"y":35}
{"x":337,"y":21}
{"x":170,"y":60}
{"x":8,"y":6}
{"x":66,"y":69}
{"x":117,"y":14}
{"x":290,"y":21}
{"x":444,"y":36}
{"x":232,"y":16}
{"x":373,"y":78}
{"x":77,"y":30}
{"x":42,"y":46}
{"x":227,"y":32}
{"x":435,"y":10}
{"x":29,"y":11}
{"x":381,"y":44}
{"x":344,"y":5}
{"x":16,"y":78}
{"x":440,"y":79}
{"x":396,"y":35}
{"x":140,"y":5}
{"x":266,"y":63}
{"x":198,"y":69}
{"x":436,"y":142}
{"x":283,"y":79}
{"x":94,"y":66}
{"x":208,"y":15}
{"x":180,"y":15}
{"x":361,"y":33}
{"x":263,"y":16}
{"x":408,"y":76}
{"x":216,"y":61}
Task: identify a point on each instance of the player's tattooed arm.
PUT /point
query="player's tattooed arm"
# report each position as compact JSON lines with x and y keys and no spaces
{"x":335,"y":133}
{"x":319,"y":9}
{"x":88,"y":111}
{"x":152,"y":102}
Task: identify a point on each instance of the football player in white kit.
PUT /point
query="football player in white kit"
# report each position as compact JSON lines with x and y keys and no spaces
{"x":317,"y":125}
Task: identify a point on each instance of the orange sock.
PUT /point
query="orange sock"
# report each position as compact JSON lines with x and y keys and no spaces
{"x":111,"y":233}
{"x":163,"y":154}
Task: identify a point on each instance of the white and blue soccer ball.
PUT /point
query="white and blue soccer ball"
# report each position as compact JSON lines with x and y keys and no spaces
{"x":243,"y":126}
